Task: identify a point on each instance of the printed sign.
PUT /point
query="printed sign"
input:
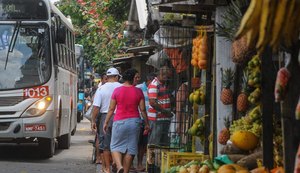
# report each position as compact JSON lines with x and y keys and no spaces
{"x":36,"y":92}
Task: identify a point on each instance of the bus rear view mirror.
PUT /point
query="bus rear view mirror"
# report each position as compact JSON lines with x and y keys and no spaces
{"x":61,"y":35}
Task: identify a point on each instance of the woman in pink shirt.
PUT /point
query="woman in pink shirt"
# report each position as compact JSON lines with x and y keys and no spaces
{"x":127,"y":100}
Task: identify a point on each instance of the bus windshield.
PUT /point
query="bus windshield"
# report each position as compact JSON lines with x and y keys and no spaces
{"x":24,"y":55}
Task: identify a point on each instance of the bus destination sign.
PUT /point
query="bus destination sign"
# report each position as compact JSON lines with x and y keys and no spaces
{"x":23,"y":10}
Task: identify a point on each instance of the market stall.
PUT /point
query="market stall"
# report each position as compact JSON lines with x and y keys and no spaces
{"x":241,"y":70}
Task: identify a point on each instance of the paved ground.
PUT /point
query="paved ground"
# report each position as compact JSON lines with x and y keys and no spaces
{"x":98,"y":168}
{"x":25,"y":158}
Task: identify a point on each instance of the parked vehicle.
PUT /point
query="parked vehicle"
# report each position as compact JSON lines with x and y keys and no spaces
{"x":38,"y":92}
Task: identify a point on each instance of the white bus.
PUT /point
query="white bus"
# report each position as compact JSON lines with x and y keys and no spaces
{"x":38,"y":80}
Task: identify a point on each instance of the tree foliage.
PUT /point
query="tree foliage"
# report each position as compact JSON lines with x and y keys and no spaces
{"x":99,"y":26}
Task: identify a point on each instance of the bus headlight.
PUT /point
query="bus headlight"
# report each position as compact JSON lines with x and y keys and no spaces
{"x":38,"y":108}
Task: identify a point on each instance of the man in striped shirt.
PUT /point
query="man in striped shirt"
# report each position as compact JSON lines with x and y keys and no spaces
{"x":159,"y":112}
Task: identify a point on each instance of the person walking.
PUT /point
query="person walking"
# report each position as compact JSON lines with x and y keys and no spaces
{"x":127,"y":100}
{"x":101,"y":104}
{"x":103,"y":80}
{"x":99,"y":155}
{"x":143,"y":139}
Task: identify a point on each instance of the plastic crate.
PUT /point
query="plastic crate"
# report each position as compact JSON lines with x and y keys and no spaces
{"x":170,"y":159}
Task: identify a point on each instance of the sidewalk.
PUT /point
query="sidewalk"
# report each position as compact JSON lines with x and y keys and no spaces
{"x":98,"y":168}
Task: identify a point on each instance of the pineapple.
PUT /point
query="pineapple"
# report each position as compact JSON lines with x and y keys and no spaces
{"x":226,"y":93}
{"x":227,"y":29}
{"x":224,"y":134}
{"x":242,"y":100}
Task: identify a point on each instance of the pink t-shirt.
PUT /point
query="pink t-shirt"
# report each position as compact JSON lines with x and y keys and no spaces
{"x":128,"y":99}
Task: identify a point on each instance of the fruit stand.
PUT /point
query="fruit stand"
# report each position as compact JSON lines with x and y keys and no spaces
{"x":265,"y":55}
{"x":242,"y":102}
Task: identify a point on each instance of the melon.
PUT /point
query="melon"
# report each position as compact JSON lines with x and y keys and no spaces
{"x":244,"y":140}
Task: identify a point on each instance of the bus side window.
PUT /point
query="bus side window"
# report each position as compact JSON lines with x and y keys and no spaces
{"x":61,"y":35}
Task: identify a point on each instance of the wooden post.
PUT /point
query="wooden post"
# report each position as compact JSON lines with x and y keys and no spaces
{"x":208,"y":127}
{"x":213,"y":110}
{"x":237,"y":75}
{"x":268,"y":83}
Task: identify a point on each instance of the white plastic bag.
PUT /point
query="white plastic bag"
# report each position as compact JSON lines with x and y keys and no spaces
{"x":158,"y":59}
{"x":88,"y":113}
{"x":172,"y":37}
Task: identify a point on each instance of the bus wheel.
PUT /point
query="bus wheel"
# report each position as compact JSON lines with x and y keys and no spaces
{"x":47,"y":147}
{"x":74,"y":130}
{"x":64,"y":141}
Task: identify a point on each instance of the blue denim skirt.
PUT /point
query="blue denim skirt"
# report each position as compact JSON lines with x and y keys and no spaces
{"x":125,"y":136}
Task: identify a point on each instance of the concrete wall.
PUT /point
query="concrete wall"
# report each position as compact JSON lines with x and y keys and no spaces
{"x":223,"y":61}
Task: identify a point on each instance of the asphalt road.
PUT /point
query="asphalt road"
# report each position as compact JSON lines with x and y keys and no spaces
{"x":25,"y":159}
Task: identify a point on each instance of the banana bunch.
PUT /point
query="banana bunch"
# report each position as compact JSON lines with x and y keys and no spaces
{"x":270,"y":23}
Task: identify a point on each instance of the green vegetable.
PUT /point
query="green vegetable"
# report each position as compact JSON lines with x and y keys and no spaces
{"x":193,"y":162}
{"x":208,"y":163}
{"x":217,"y":164}
{"x":173,"y":169}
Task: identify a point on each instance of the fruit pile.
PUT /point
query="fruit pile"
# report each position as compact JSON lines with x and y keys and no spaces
{"x":254,"y":96}
{"x":277,"y":143}
{"x":198,"y":96}
{"x":251,"y":82}
{"x":208,"y":166}
{"x":199,"y":52}
{"x":254,"y":72}
{"x":251,"y":122}
{"x":221,"y":164}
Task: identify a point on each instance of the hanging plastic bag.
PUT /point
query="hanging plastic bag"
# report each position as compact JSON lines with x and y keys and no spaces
{"x":282,"y":79}
{"x":174,"y":137}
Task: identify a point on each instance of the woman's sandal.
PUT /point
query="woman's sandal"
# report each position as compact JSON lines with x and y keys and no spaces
{"x":98,"y":162}
{"x":121,"y":170}
{"x":140,"y":169}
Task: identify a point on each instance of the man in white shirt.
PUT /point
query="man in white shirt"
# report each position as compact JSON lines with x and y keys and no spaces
{"x":103,"y":80}
{"x":101,"y":104}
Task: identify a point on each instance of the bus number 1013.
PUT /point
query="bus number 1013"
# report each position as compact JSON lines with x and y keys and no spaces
{"x":36,"y":92}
